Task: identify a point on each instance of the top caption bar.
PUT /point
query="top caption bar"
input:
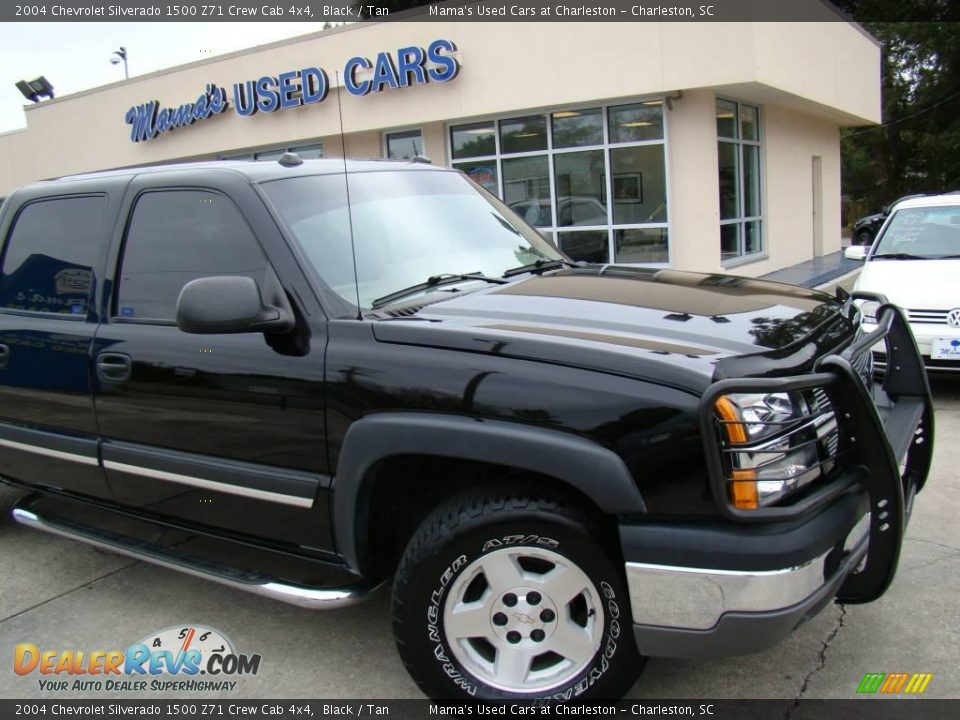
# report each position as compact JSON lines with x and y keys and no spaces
{"x":458,"y":10}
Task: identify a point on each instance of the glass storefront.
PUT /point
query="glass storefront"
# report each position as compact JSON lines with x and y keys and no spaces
{"x":594,"y":179}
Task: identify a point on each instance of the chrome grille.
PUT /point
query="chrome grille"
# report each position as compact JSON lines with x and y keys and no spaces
{"x":927,"y":317}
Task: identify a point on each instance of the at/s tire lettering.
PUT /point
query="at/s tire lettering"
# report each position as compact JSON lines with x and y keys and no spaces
{"x":480,"y":611}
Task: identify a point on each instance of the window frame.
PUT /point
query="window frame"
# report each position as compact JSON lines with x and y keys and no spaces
{"x":553,"y":230}
{"x":91,"y":297}
{"x":114,"y":299}
{"x":741,"y":221}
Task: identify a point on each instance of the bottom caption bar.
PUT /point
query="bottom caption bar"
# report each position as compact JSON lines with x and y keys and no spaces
{"x":402,"y":709}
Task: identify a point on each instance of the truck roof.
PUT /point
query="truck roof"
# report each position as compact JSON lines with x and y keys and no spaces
{"x":259,"y":170}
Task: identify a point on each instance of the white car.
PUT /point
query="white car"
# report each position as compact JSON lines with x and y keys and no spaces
{"x":915,"y":262}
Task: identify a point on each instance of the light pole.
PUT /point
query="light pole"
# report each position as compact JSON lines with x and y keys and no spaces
{"x":117,"y":57}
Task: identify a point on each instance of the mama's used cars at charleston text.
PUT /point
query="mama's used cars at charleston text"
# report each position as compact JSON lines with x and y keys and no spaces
{"x":304,"y":379}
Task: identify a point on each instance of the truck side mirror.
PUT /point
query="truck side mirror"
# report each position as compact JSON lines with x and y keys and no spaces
{"x":856,"y":252}
{"x":230,"y":304}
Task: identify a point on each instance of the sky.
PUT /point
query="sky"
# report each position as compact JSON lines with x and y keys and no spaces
{"x":76,"y":56}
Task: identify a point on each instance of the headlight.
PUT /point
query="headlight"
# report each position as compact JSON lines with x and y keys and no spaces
{"x":754,"y":416}
{"x":774,"y":443}
{"x":868,"y":309}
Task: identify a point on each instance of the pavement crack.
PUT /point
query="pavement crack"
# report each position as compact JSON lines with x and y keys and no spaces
{"x":67,"y":592}
{"x":952,"y":556}
{"x":821,"y":662}
{"x":933,"y":542}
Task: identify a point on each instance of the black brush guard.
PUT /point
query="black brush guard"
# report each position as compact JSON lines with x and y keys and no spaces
{"x":885,"y":443}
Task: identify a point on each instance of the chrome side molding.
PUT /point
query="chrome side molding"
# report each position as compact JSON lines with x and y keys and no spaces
{"x":305,"y":597}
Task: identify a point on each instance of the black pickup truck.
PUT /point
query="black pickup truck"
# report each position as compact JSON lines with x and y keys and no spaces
{"x":309,"y":379}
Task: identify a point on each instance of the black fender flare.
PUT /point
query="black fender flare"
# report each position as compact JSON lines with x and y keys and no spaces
{"x":596,"y":471}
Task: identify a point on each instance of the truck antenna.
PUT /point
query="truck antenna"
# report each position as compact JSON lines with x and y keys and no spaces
{"x":346,"y":182}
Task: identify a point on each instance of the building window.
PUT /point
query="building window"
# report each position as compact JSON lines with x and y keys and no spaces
{"x":313,"y":151}
{"x":738,"y":168}
{"x":593,"y":179}
{"x":404,"y":145}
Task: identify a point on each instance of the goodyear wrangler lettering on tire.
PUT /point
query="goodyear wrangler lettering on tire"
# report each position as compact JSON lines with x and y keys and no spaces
{"x":521,"y":601}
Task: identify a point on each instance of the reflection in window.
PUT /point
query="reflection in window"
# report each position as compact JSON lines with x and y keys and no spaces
{"x":526,"y":134}
{"x":637,"y":122}
{"x":729,"y":178}
{"x":727,"y":119}
{"x":176,"y":236}
{"x":526,"y":189}
{"x":576,"y":128}
{"x":51,"y":255}
{"x":581,"y":190}
{"x":473,"y":140}
{"x":641,"y":245}
{"x":404,"y":145}
{"x":729,"y":241}
{"x":587,"y":245}
{"x":639,"y":184}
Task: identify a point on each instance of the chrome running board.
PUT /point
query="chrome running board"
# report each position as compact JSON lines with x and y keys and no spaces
{"x":305,"y":597}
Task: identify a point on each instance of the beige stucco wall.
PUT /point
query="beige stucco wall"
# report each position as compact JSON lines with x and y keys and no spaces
{"x":694,"y":186}
{"x":810,"y":79}
{"x":790,"y":144}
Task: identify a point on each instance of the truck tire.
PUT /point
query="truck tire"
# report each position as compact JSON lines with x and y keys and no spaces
{"x":508,"y":595}
{"x":864,"y":237}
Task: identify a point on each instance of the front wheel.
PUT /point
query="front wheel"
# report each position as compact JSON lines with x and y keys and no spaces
{"x":504,"y":596}
{"x":864,"y":237}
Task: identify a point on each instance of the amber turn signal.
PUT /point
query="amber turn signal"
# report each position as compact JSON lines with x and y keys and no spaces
{"x":734,"y":428}
{"x":743,"y":489}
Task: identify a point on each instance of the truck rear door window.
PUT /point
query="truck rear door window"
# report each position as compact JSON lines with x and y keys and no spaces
{"x":51,"y":253}
{"x":176,"y":236}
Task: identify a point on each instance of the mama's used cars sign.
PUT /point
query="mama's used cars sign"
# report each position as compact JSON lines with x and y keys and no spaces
{"x":406,"y":67}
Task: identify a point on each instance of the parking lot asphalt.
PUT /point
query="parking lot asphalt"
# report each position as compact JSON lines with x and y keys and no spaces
{"x":60,"y":594}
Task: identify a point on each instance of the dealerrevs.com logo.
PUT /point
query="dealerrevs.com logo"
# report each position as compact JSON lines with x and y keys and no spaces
{"x":180,"y":658}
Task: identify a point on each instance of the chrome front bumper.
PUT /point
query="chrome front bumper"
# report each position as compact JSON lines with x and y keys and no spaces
{"x":695,"y":601}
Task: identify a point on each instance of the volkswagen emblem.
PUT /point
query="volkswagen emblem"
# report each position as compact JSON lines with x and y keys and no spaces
{"x":953,"y":318}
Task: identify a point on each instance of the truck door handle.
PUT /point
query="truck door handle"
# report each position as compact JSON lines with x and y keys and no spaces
{"x":114,"y":367}
{"x":4,"y":356}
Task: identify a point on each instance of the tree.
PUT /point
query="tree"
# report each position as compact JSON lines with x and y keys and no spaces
{"x":917,"y":147}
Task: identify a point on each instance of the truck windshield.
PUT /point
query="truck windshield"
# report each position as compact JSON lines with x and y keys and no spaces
{"x":407,"y":226}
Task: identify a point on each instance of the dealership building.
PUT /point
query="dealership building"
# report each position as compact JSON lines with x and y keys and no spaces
{"x":700,"y":146}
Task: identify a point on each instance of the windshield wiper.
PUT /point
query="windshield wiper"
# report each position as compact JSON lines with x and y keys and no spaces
{"x":900,"y":256}
{"x":945,"y":257}
{"x":434,"y":281}
{"x":541,"y":265}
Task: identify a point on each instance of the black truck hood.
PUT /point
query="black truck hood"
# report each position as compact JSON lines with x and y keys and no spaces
{"x":689,"y":328}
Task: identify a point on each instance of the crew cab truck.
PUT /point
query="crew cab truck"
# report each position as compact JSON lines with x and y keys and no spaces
{"x":306,"y":379}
